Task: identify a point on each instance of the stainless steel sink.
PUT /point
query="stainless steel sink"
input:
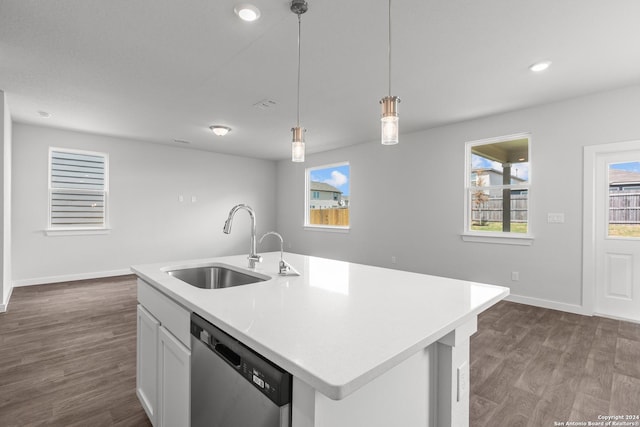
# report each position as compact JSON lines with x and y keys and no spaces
{"x":214,"y":277}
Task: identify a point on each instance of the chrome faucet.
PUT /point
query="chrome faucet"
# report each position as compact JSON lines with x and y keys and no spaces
{"x":283,"y":267}
{"x":253,"y":256}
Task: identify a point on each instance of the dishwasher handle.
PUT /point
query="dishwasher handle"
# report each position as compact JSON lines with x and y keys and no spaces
{"x":217,"y":341}
{"x":227,"y":354}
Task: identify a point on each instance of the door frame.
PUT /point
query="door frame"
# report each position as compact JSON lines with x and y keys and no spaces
{"x":591,"y":154}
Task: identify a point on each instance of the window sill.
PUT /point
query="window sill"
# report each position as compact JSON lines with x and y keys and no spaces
{"x":511,"y":239}
{"x":330,"y":229}
{"x":76,"y":231}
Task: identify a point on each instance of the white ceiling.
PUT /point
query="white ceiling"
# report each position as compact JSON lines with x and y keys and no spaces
{"x":159,"y":70}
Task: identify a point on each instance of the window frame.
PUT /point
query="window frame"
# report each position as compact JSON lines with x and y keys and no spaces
{"x":75,"y":229}
{"x":307,"y":199}
{"x":508,"y":237}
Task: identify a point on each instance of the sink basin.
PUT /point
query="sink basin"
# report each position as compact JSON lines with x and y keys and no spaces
{"x":214,"y":277}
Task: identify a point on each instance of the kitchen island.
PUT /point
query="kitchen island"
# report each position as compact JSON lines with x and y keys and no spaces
{"x":365,"y":345}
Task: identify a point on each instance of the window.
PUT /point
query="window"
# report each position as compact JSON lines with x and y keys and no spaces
{"x":624,"y":200}
{"x":78,"y":189}
{"x":327,"y":196}
{"x":498,"y":177}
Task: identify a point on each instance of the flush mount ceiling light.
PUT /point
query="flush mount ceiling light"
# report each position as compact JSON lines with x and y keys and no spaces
{"x":297,"y":145}
{"x":389,"y":120}
{"x":540,"y":66}
{"x":220,"y":130}
{"x":247,"y":12}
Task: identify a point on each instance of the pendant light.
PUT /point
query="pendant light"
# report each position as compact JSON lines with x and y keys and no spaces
{"x":297,"y":145}
{"x":389,"y":120}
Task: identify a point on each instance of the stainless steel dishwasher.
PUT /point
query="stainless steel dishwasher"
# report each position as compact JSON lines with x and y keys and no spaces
{"x":232,"y":385}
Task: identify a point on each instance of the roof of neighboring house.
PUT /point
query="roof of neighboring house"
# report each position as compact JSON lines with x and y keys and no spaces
{"x":322,"y":186}
{"x":499,"y":172}
{"x":617,"y":176}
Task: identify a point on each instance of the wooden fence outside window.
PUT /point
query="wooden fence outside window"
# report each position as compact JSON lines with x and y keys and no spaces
{"x":330,"y":216}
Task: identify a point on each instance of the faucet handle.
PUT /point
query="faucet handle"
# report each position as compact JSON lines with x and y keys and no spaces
{"x":283,"y":267}
{"x":253,"y":259}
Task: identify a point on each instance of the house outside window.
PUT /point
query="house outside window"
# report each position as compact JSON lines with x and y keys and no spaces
{"x":497,"y":193}
{"x":327,"y":196}
{"x":78,"y":190}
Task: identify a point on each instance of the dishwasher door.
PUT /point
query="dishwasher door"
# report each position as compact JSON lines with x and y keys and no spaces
{"x":231,"y":385}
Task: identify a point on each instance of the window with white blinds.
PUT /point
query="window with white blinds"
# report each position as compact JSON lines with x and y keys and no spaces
{"x":78,"y":189}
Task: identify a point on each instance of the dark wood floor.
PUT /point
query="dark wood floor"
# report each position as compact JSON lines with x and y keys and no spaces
{"x":535,"y":367}
{"x":67,"y":358}
{"x":67,"y":355}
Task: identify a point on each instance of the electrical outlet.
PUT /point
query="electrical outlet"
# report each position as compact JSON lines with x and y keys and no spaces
{"x":393,"y":259}
{"x":515,"y":276}
{"x":194,"y":199}
{"x":180,"y":198}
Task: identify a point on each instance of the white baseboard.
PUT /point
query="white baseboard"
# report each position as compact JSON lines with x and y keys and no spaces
{"x":4,"y":305}
{"x":70,"y":277}
{"x":624,"y":319}
{"x":553,"y":305}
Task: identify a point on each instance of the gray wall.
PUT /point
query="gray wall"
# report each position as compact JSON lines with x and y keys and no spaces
{"x":5,"y":200}
{"x":148,"y":222}
{"x":422,"y":228}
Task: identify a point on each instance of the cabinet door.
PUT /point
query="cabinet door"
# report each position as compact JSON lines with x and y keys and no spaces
{"x":174,"y":381}
{"x":147,"y":363}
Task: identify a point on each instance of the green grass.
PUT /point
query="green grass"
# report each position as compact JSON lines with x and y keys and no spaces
{"x":516,"y":227}
{"x":624,"y":230}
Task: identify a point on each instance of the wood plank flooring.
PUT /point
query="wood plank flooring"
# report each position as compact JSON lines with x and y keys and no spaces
{"x":68,"y":355}
{"x":67,"y":358}
{"x":536,"y":367}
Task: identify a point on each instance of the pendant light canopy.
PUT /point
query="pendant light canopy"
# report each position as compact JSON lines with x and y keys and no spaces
{"x":389,"y":120}
{"x":297,"y":145}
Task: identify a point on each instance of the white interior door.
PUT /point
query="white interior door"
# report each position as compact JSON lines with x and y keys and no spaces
{"x":617,"y":234}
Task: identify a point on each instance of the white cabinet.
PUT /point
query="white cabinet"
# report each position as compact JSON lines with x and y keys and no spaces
{"x":174,"y":371}
{"x":163,"y":377}
{"x":147,"y":363}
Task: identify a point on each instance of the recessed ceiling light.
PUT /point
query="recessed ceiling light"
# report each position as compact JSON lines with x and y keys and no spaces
{"x":44,"y":114}
{"x":220,"y":130}
{"x":540,"y":66}
{"x":247,"y":12}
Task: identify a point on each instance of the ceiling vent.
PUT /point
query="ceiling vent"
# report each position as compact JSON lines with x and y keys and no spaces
{"x":265,"y":104}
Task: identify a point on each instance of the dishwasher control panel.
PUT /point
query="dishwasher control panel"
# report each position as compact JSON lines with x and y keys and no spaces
{"x":267,"y":380}
{"x":273,"y":381}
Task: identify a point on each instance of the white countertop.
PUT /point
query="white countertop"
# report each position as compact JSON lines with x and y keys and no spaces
{"x":338,"y":325}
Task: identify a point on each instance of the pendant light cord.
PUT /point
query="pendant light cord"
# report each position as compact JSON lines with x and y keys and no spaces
{"x":299,"y":32}
{"x":389,"y":47}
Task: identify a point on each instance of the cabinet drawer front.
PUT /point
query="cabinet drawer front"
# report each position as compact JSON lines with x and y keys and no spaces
{"x":169,"y":313}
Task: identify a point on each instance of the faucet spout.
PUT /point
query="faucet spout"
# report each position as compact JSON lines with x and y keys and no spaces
{"x":253,"y":256}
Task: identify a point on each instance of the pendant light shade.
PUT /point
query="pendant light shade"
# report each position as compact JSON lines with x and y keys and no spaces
{"x":390,"y":121}
{"x":297,"y":145}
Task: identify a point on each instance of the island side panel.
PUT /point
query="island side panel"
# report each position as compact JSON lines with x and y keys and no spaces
{"x":453,"y":376}
{"x":399,"y":397}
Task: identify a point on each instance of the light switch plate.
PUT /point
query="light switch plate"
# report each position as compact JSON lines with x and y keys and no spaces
{"x":555,"y":218}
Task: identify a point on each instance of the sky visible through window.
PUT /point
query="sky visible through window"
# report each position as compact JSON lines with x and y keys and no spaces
{"x":337,"y":176}
{"x":520,"y":170}
{"x":629,"y":166}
